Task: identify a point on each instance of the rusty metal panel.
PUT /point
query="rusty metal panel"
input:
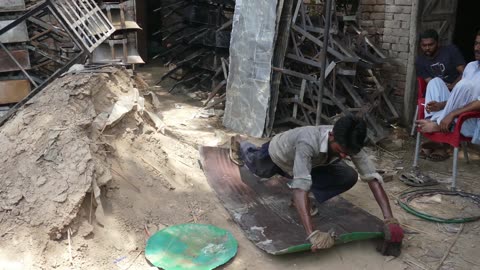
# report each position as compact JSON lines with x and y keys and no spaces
{"x":122,"y":15}
{"x":7,"y":64}
{"x":262,"y":208}
{"x":13,"y":91}
{"x":17,"y":34}
{"x":103,"y":54}
{"x":11,"y":5}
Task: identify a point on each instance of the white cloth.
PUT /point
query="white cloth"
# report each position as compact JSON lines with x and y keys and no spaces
{"x":299,"y":150}
{"x":437,"y":91}
{"x":472,"y":71}
{"x":465,"y":92}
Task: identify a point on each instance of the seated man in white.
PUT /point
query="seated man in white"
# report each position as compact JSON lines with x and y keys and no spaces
{"x":464,"y":97}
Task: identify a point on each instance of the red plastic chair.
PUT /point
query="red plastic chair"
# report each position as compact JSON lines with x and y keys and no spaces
{"x":455,"y":138}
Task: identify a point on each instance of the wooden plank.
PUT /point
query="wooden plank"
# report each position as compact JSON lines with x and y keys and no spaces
{"x":278,"y":61}
{"x":304,"y":60}
{"x":320,"y":43}
{"x":13,"y":91}
{"x":7,"y":64}
{"x":295,"y":74}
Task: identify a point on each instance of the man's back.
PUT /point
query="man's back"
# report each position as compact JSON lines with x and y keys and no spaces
{"x":312,"y":140}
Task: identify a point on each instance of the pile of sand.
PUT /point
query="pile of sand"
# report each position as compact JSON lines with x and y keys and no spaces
{"x":52,"y":152}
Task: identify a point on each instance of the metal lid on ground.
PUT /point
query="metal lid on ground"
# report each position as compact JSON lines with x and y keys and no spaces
{"x":191,"y":246}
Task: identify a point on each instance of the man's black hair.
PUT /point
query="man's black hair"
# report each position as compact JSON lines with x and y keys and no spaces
{"x":430,"y":33}
{"x":350,"y":132}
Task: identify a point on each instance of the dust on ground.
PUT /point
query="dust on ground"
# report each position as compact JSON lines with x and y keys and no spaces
{"x":77,"y":193}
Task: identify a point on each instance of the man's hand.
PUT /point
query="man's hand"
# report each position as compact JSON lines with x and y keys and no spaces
{"x":393,"y":238}
{"x":446,"y":123}
{"x":434,"y":106}
{"x":393,"y":231}
{"x":321,"y":240}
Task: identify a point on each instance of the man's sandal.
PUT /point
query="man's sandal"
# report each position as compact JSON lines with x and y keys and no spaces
{"x":235,"y":150}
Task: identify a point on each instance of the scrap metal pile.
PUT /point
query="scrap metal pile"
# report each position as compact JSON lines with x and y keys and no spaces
{"x":42,"y":40}
{"x":352,"y":75}
{"x":196,"y":35}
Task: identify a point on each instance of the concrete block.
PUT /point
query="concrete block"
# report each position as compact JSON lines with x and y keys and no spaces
{"x":393,"y":24}
{"x":379,"y":8}
{"x":402,"y":17}
{"x":403,"y":2}
{"x":400,"y":47}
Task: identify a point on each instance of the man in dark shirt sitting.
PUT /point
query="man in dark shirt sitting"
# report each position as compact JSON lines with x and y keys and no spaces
{"x":442,"y":68}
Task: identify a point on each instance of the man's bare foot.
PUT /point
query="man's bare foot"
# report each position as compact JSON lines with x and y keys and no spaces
{"x":427,"y":126}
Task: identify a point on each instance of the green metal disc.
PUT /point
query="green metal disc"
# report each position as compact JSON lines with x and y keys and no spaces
{"x":190,"y":246}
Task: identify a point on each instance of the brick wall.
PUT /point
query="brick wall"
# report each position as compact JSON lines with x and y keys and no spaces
{"x":389,"y":21}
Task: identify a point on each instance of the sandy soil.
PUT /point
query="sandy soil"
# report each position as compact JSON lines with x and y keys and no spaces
{"x":156,"y":182}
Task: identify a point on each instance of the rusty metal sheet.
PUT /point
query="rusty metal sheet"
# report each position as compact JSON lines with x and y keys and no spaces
{"x":11,"y":5}
{"x":13,"y":91}
{"x":17,"y":34}
{"x":262,"y":208}
{"x":7,"y":64}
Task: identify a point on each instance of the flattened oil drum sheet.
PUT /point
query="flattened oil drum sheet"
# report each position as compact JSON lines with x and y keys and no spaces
{"x":263,"y":211}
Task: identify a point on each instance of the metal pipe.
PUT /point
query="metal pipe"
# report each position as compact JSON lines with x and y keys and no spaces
{"x":455,"y":169}
{"x":18,"y":64}
{"x":326,"y":35}
{"x":417,"y":150}
{"x":414,"y":125}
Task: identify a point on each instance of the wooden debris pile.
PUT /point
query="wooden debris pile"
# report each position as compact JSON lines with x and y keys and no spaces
{"x":352,"y":74}
{"x":196,"y":35}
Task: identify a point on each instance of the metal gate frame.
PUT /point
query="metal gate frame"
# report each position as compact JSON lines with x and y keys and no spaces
{"x":78,"y":31}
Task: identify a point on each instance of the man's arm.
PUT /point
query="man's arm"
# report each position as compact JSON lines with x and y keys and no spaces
{"x":302,"y":204}
{"x":301,"y":183}
{"x":392,"y":230}
{"x":448,"y":120}
{"x":381,"y":198}
{"x":422,"y":70}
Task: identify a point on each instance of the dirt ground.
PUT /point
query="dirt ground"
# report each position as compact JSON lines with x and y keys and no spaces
{"x":153,"y":180}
